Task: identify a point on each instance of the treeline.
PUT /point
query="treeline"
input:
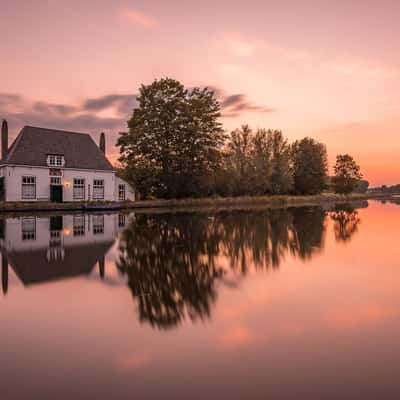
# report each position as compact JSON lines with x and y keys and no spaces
{"x":394,"y":189}
{"x":176,"y":147}
{"x":264,"y":163}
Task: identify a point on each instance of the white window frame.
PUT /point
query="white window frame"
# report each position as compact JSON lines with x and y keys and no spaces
{"x":98,"y":189}
{"x":28,"y":228}
{"x":121,"y":190}
{"x":98,"y":224}
{"x":79,"y":187}
{"x":55,"y":160}
{"x":28,"y":182}
{"x":79,"y":225}
{"x":55,"y":180}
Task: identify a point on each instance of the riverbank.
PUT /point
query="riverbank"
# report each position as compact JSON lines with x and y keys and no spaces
{"x":211,"y":202}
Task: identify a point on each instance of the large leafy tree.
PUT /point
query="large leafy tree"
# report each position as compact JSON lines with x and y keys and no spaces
{"x":172,"y":146}
{"x":310,"y":166}
{"x":347,"y":174}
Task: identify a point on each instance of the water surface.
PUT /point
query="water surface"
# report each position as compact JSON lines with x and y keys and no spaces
{"x":264,"y":303}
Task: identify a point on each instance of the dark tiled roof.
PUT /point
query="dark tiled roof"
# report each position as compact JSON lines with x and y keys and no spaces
{"x":33,"y":145}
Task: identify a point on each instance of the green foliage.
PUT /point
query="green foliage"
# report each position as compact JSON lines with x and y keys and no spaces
{"x":256,"y":163}
{"x":394,"y":189}
{"x":310,"y":166}
{"x":362,"y":186}
{"x":175,"y":148}
{"x":172,"y":147}
{"x":347,"y":174}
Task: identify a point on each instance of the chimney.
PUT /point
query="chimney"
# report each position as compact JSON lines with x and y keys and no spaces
{"x":102,"y":144}
{"x":4,"y":139}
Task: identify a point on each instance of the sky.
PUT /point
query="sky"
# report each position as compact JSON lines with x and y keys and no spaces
{"x":326,"y":69}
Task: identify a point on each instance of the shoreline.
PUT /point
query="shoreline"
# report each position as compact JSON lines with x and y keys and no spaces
{"x":211,"y":202}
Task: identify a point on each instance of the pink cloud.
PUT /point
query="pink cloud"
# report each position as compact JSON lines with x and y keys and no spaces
{"x":137,"y":17}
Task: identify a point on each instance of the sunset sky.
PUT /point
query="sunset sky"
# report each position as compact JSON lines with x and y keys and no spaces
{"x":327,"y":69}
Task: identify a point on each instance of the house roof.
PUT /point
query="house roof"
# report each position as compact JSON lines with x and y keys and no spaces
{"x":34,"y":144}
{"x":78,"y":260}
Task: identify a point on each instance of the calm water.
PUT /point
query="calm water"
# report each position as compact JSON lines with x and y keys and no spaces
{"x":298,"y":303}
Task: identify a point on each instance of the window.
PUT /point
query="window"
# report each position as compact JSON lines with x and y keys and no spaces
{"x":28,"y":226}
{"x":79,"y":225}
{"x":121,"y":220}
{"x":28,"y":187}
{"x":54,"y":160}
{"x":121,"y":192}
{"x":98,"y":224}
{"x":79,"y":189}
{"x":55,"y":180}
{"x":98,"y":189}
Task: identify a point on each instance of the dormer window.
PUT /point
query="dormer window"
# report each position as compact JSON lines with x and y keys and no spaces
{"x":55,"y":160}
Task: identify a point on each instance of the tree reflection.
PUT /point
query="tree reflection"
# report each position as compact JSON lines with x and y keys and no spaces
{"x":170,"y":263}
{"x":173,"y":261}
{"x":346,"y":221}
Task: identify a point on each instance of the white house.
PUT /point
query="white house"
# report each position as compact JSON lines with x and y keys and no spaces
{"x":53,"y":165}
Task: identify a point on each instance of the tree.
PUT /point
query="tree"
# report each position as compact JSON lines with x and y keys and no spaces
{"x":347,"y":174}
{"x":310,"y":166}
{"x":172,"y":146}
{"x":262,"y":161}
{"x":239,"y":148}
{"x":362,"y":186}
{"x":281,"y":173}
{"x":257,"y":163}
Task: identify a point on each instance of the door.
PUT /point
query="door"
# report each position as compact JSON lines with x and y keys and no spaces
{"x":56,"y":193}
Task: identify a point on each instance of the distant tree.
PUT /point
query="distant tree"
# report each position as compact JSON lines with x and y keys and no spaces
{"x":172,"y":146}
{"x":347,"y":174}
{"x":310,"y":166}
{"x":362,"y":186}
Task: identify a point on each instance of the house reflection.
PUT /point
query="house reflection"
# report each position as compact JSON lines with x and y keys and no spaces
{"x":47,"y":248}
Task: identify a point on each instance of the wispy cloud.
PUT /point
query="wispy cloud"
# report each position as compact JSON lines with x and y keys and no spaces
{"x":137,"y":17}
{"x":122,"y":103}
{"x":232,"y":105}
{"x":107,"y":113}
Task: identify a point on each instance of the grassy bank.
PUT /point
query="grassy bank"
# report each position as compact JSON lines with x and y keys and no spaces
{"x":282,"y":201}
{"x":211,"y":202}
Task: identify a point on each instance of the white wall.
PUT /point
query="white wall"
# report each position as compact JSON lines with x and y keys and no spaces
{"x":13,"y":241}
{"x":13,"y":179}
{"x":129,"y":191}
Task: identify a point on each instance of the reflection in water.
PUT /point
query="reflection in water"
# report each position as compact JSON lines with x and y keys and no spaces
{"x":346,"y":220}
{"x":43,"y":249}
{"x":172,"y":262}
